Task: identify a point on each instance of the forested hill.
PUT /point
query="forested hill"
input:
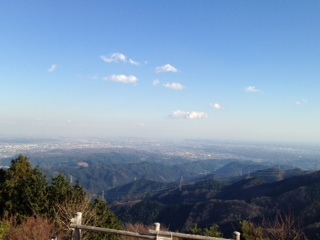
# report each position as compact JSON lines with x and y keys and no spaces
{"x":227,"y":205}
{"x":101,"y":170}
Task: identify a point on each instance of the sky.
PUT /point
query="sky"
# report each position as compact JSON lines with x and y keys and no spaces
{"x":179,"y":69}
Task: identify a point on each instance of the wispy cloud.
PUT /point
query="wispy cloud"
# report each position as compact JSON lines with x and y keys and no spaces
{"x":187,"y":115}
{"x":301,"y":102}
{"x":252,"y":89}
{"x":122,"y":79}
{"x":53,"y":68}
{"x":118,"y":57}
{"x":156,"y":82}
{"x":216,"y":106}
{"x":174,"y":86}
{"x":166,"y":68}
{"x":178,"y":114}
{"x":132,"y":62}
{"x":115,"y":57}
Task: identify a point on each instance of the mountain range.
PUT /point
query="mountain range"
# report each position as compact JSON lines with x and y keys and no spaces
{"x":144,"y":187}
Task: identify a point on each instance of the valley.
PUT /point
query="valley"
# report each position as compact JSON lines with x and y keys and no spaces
{"x":183,"y":183}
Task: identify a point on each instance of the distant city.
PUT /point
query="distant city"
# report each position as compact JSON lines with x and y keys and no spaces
{"x":297,"y":155}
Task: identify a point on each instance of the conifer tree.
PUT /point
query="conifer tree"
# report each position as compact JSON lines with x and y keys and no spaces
{"x":26,"y":192}
{"x":23,"y":190}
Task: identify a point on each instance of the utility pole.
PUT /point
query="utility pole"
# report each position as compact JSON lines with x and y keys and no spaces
{"x":180,"y":184}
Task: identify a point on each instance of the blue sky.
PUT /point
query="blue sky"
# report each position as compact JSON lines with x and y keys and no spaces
{"x":229,"y":70}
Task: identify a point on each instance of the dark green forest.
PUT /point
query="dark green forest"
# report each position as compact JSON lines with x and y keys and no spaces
{"x":35,"y":206}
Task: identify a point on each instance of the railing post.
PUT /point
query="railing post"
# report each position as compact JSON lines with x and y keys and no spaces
{"x":77,"y":221}
{"x":157,"y":225}
{"x":236,"y":235}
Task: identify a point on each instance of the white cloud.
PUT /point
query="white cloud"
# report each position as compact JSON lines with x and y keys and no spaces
{"x":166,"y":68}
{"x":156,"y":82}
{"x":251,"y":89}
{"x":197,"y":115}
{"x":179,"y":114}
{"x":53,"y":68}
{"x":174,"y":86}
{"x":132,"y":62}
{"x":116,"y":57}
{"x":188,"y":115}
{"x":122,"y":79}
{"x":106,"y":59}
{"x":216,"y":106}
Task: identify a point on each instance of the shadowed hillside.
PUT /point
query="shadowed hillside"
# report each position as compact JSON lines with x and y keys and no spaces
{"x":211,"y":202}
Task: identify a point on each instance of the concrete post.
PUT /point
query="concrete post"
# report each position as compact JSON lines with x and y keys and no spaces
{"x":157,"y":225}
{"x":77,"y":221}
{"x":236,"y":235}
{"x":78,"y":218}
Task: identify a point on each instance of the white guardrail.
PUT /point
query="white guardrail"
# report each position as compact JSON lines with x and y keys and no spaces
{"x":155,"y":234}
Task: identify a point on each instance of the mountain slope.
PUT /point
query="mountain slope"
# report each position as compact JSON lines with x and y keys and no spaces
{"x":226,"y":206}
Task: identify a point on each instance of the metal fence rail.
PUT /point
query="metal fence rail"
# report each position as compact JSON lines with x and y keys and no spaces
{"x":153,"y":234}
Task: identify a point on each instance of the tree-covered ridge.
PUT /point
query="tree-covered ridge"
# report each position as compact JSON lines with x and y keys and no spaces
{"x":292,"y":204}
{"x":26,"y":194}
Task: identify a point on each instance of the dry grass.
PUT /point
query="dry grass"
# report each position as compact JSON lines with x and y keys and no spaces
{"x":35,"y":228}
{"x":284,"y":227}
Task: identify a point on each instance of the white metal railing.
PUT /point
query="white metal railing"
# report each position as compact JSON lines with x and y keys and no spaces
{"x":153,"y":234}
